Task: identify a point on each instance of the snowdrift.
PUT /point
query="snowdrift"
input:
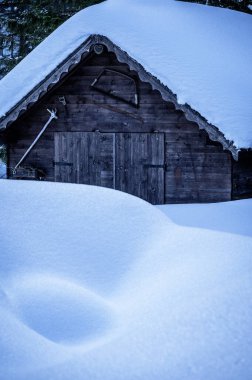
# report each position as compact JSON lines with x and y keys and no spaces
{"x":97,"y":284}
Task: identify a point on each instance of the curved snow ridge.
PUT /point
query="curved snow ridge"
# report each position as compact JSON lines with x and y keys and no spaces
{"x":84,"y":232}
{"x":97,"y":284}
{"x":58,"y":309}
{"x":46,"y":320}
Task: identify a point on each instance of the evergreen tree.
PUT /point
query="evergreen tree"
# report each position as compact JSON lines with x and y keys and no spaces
{"x":25,"y":23}
{"x":238,"y":5}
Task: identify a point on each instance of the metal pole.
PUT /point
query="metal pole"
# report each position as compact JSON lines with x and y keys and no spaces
{"x":52,"y":116}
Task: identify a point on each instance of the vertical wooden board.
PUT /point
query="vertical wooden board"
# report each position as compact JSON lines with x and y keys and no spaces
{"x":77,"y":158}
{"x":63,"y":163}
{"x":130,"y":162}
{"x":93,"y":160}
{"x":101,"y":157}
{"x":106,"y":154}
{"x":155,"y":186}
{"x":156,"y":180}
{"x":119,"y":162}
{"x":196,"y":173}
{"x":128,"y":168}
{"x":156,"y":148}
{"x":62,"y":158}
{"x":140,"y":165}
{"x":56,"y":156}
{"x":134,"y":170}
{"x":69,"y":158}
{"x":85,"y":157}
{"x":140,"y":149}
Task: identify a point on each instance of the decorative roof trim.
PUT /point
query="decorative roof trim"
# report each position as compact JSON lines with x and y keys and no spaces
{"x":47,"y":83}
{"x":79,"y":54}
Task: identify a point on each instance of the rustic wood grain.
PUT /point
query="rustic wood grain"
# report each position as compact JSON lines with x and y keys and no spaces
{"x":151,"y":151}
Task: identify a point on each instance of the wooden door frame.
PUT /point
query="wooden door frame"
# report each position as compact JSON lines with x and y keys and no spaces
{"x":115,"y":159}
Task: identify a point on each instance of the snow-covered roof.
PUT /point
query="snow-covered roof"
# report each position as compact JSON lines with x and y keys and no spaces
{"x":203,"y":54}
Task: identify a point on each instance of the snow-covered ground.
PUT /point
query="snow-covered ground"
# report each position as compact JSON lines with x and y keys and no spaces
{"x":2,"y":170}
{"x":98,"y":284}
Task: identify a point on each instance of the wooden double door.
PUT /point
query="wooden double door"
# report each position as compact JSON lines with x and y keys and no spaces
{"x":129,"y":162}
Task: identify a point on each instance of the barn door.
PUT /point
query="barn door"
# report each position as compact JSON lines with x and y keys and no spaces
{"x":140,"y":165}
{"x":130,"y":162}
{"x":84,"y":157}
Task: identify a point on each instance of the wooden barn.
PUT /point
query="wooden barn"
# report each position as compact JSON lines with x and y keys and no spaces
{"x":100,"y":118}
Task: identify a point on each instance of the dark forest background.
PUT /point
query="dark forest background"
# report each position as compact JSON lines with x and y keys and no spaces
{"x":25,"y":23}
{"x":238,"y":5}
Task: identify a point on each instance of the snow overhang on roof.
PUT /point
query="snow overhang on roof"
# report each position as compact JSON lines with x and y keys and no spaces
{"x":122,"y":56}
{"x":203,"y":54}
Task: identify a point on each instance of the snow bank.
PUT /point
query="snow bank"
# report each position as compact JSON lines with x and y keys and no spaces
{"x":203,"y":54}
{"x":232,"y":217}
{"x":98,"y":284}
{"x":2,"y":170}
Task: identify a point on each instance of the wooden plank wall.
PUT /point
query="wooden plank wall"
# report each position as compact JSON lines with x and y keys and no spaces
{"x":139,"y":165}
{"x":242,"y":175}
{"x":196,"y":170}
{"x":84,"y":157}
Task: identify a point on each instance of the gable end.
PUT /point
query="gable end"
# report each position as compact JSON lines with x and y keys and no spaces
{"x":81,"y":53}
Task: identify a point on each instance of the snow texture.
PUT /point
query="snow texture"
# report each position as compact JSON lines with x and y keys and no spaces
{"x":203,"y":54}
{"x":2,"y":170}
{"x":97,"y":284}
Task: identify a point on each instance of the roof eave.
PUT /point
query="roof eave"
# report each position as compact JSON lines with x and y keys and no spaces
{"x":47,"y":83}
{"x":81,"y":52}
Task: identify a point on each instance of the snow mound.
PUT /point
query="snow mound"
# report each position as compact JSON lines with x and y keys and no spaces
{"x":231,"y":217}
{"x":59,"y":310}
{"x":82,"y":232}
{"x":97,"y":284}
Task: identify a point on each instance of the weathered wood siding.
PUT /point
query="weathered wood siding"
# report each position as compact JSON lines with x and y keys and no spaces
{"x":193,"y":168}
{"x":242,"y":175}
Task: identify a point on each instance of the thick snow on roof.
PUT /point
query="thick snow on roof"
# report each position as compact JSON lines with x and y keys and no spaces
{"x":97,"y":284}
{"x":203,"y":54}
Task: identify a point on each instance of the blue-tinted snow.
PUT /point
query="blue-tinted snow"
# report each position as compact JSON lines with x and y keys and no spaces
{"x":97,"y":284}
{"x":203,"y":54}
